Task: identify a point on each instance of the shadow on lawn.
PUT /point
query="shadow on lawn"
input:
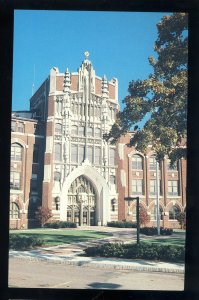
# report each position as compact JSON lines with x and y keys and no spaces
{"x":61,"y":239}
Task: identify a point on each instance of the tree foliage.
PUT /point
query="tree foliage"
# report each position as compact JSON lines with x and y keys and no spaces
{"x":182,"y":219}
{"x":43,"y":214}
{"x":143,"y":216}
{"x":162,"y":97}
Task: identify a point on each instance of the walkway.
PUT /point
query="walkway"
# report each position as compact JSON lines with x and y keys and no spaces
{"x":72,"y":254}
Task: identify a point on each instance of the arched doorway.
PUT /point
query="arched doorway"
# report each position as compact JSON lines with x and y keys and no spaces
{"x":81,"y":204}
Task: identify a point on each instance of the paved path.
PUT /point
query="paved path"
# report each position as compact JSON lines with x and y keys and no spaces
{"x":72,"y":254}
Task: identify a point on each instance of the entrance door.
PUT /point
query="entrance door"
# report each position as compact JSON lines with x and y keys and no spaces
{"x":81,"y":202}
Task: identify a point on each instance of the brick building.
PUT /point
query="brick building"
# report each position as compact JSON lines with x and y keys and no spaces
{"x":60,"y":160}
{"x":25,"y":173}
{"x":136,"y":176}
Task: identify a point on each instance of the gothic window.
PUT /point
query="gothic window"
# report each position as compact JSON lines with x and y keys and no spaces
{"x":174,"y":212}
{"x":98,"y":155}
{"x":89,"y":131}
{"x":90,"y":154}
{"x":173,"y":189}
{"x":16,"y":152}
{"x":14,"y":211}
{"x":58,"y":128}
{"x":81,"y":153}
{"x":74,"y":153}
{"x":112,"y":179}
{"x":137,"y":187}
{"x":81,"y":130}
{"x":58,"y":152}
{"x":57,"y":176}
{"x":137,"y":163}
{"x":74,"y":130}
{"x":15,"y":180}
{"x":112,"y":156}
{"x":81,"y":189}
{"x":97,"y":132}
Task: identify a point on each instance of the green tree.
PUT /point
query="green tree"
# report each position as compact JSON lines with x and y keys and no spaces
{"x":162,"y":97}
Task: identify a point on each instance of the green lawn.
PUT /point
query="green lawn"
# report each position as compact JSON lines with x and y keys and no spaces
{"x":54,"y":237}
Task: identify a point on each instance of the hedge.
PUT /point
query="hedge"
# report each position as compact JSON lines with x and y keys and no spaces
{"x":154,"y":231}
{"x":60,"y":224}
{"x":17,"y":242}
{"x":141,"y":251}
{"x":122,"y":224}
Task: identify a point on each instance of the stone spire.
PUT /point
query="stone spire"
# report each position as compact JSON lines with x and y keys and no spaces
{"x":67,"y":81}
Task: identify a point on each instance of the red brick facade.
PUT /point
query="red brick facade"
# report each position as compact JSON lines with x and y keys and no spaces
{"x":137,"y":177}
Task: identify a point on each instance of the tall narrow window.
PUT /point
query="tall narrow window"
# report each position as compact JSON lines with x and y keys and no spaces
{"x":153,"y":187}
{"x":89,"y":131}
{"x":98,"y":155}
{"x":20,"y":127}
{"x":137,"y":187}
{"x":16,"y":152}
{"x":74,"y":154}
{"x":97,"y":132}
{"x":152,"y":163}
{"x":34,"y":186}
{"x":74,"y":130}
{"x":13,"y":126}
{"x":36,"y":154}
{"x":81,"y":153}
{"x":81,"y":130}
{"x":137,"y":162}
{"x":58,"y":152}
{"x":173,"y":189}
{"x":14,"y":211}
{"x":58,"y":128}
{"x":15,"y":180}
{"x":57,"y":176}
{"x":112,"y":156}
{"x":90,"y":154}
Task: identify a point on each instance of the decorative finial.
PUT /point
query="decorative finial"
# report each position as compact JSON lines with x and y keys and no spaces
{"x":86,"y":53}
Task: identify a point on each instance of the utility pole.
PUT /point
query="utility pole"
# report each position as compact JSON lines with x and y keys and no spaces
{"x":157,"y":197}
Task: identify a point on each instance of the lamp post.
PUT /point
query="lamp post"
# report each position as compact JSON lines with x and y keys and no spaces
{"x":157,"y":197}
{"x":137,"y":214}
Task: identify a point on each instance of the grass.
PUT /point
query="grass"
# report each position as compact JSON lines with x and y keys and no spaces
{"x":53,"y":237}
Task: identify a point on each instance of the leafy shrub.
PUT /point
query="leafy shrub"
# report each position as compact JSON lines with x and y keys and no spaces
{"x":142,"y":250}
{"x":122,"y":224}
{"x":43,"y":214}
{"x":60,"y":224}
{"x":17,"y":242}
{"x":182,"y":219}
{"x":154,"y":231}
{"x":143,"y":216}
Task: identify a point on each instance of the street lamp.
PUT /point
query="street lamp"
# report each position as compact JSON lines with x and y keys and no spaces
{"x":157,"y":197}
{"x":137,"y":214}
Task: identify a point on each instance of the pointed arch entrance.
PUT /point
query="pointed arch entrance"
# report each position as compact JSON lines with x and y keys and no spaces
{"x":81,"y":202}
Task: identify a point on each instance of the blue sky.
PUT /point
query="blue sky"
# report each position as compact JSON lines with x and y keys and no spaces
{"x":119,"y":46}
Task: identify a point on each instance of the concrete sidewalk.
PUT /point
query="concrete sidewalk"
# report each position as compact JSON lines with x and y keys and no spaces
{"x":77,"y":259}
